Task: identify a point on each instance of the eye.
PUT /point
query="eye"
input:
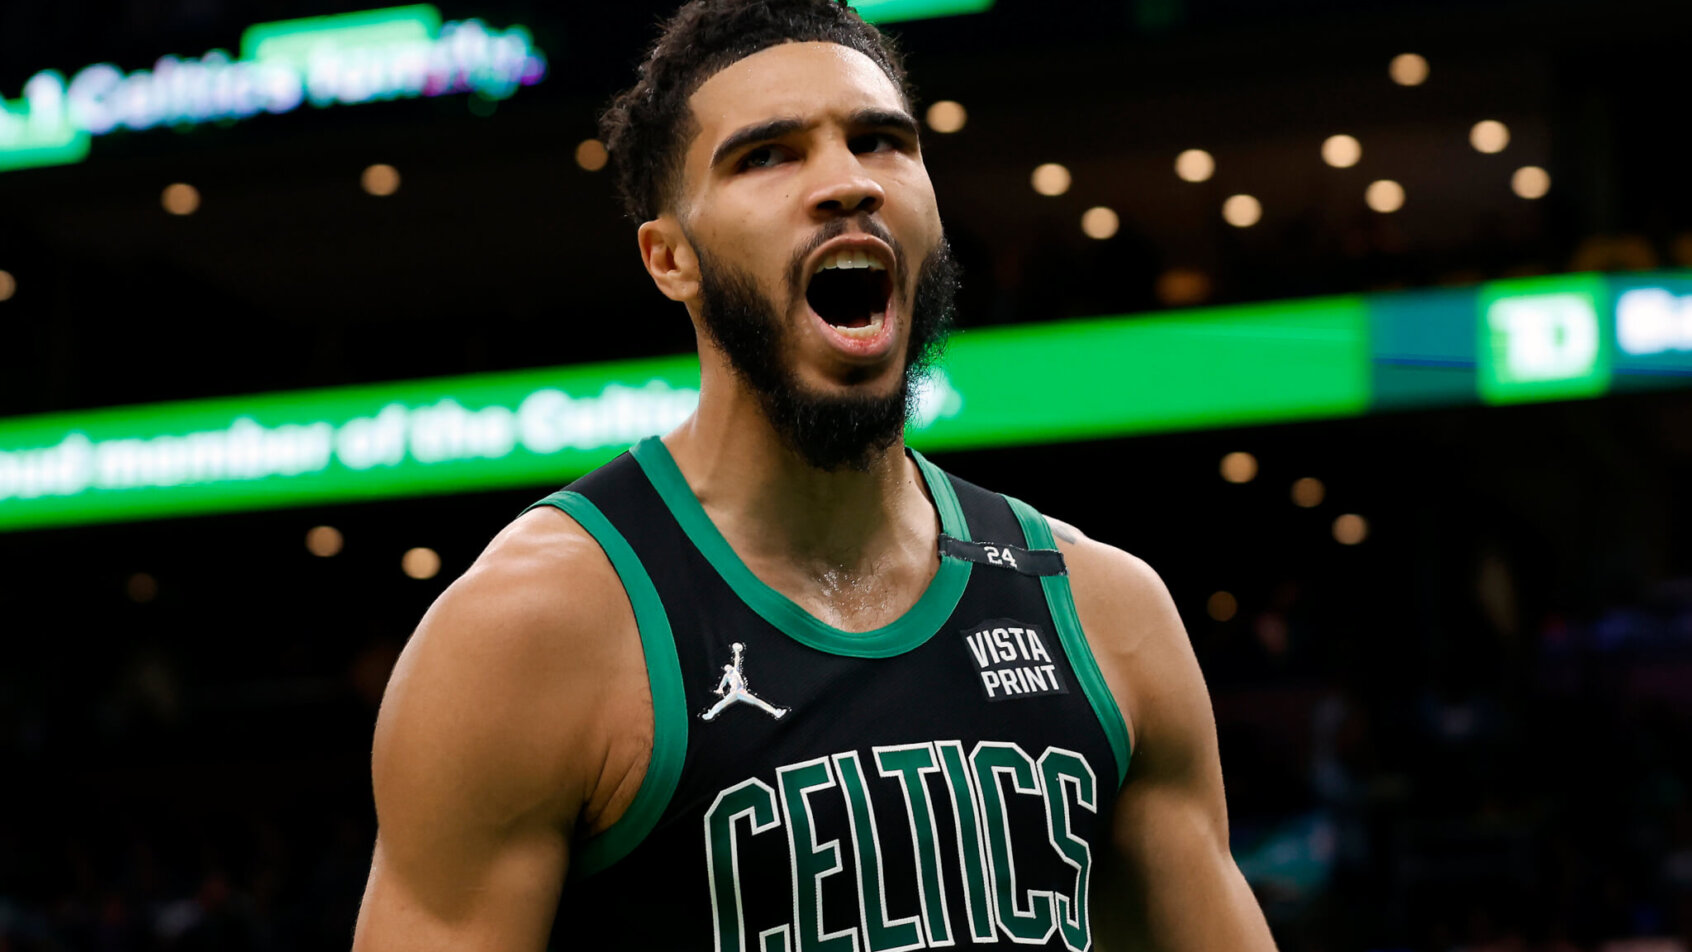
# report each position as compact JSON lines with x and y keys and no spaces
{"x":762,"y":157}
{"x":877,"y":142}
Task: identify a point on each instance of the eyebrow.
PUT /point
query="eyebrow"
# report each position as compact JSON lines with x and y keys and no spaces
{"x":777,"y":128}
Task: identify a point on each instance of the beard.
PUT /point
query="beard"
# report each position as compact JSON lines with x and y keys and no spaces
{"x":830,"y":432}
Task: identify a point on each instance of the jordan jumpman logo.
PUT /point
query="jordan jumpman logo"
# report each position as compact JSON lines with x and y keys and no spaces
{"x":732,"y":688}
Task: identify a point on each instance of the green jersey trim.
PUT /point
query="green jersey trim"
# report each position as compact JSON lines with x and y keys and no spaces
{"x":1038,"y":534}
{"x":913,"y":628}
{"x":663,"y":674}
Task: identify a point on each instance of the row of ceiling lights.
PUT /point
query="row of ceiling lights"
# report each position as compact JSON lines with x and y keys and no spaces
{"x":325,"y":542}
{"x":380,"y":180}
{"x":420,"y":563}
{"x":423,"y":563}
{"x":1348,"y":529}
{"x":1243,"y":211}
{"x":1050,"y":179}
{"x":1308,"y":492}
{"x":181,"y":198}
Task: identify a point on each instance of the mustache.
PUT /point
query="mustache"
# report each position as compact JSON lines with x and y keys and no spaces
{"x":864,"y":222}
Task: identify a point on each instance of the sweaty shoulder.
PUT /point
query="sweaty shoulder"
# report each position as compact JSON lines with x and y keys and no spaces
{"x":1128,"y":617}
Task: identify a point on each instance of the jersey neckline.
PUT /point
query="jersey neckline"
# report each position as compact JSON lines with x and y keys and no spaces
{"x":911,"y":629}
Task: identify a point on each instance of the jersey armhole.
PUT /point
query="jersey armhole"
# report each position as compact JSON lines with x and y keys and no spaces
{"x":1037,"y":533}
{"x":663,"y":674}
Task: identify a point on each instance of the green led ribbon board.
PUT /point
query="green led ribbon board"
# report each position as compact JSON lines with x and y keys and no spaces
{"x":1556,"y":338}
{"x":343,"y":59}
{"x":889,"y":11}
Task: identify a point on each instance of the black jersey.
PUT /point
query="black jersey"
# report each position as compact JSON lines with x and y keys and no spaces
{"x":941,"y":781}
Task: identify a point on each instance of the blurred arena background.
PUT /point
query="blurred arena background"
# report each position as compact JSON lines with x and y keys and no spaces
{"x":1421,"y":496}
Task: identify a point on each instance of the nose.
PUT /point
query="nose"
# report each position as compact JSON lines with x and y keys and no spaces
{"x":844,"y":187}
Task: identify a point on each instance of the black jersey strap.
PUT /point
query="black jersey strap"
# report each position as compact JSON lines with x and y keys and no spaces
{"x":1035,"y":562}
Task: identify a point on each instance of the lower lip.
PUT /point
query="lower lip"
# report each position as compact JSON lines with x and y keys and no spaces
{"x":859,"y":346}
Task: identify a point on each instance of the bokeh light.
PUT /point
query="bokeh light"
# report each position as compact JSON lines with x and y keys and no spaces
{"x":1179,"y":287}
{"x":1489,"y":136}
{"x":421,"y":563}
{"x":1239,"y":467}
{"x":1222,"y":606}
{"x":947,"y":116}
{"x":1342,"y":151}
{"x":592,"y":155}
{"x":1531,"y":181}
{"x":1051,"y":179}
{"x":1308,"y":492}
{"x":1385,"y":196}
{"x":1242,"y":211}
{"x":380,"y":180}
{"x":180,"y":198}
{"x":1100,"y":223}
{"x":1408,"y":69}
{"x":1350,"y":529}
{"x":8,"y":285}
{"x":1195,"y":165}
{"x":324,"y":541}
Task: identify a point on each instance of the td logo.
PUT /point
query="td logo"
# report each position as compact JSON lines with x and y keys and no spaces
{"x":1542,"y":340}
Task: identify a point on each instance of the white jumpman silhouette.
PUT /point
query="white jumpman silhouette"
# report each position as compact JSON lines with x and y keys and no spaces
{"x":732,"y":688}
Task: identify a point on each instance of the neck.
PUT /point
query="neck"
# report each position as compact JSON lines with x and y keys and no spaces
{"x":773,"y":506}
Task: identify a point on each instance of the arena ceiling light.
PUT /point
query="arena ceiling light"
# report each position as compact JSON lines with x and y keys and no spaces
{"x":1195,"y":165}
{"x":343,"y":59}
{"x":947,"y":116}
{"x":1342,"y":151}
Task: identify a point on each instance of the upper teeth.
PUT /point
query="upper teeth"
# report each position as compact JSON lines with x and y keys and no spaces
{"x":850,"y":258}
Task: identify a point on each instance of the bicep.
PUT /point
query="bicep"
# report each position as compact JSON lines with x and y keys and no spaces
{"x":473,"y":804}
{"x":1168,"y":881}
{"x":502,"y":898}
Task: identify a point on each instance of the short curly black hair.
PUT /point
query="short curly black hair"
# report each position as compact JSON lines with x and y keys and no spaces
{"x":648,"y":126}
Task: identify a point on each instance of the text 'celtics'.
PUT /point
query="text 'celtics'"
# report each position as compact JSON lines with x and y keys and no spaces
{"x":977,"y":788}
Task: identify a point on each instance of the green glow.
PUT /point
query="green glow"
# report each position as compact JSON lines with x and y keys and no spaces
{"x":1237,"y":366}
{"x":21,"y":150}
{"x":292,"y":42}
{"x":889,"y":11}
{"x":283,"y":449}
{"x":38,"y":138}
{"x":1213,"y":367}
{"x":1543,"y":339}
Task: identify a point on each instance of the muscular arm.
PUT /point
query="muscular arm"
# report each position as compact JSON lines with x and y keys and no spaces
{"x":1169,"y":881}
{"x":495,"y":744}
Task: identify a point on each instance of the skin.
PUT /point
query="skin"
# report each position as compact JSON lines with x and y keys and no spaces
{"x":518,"y":720}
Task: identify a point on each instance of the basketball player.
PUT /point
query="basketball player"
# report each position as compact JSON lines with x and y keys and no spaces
{"x":772,"y":681}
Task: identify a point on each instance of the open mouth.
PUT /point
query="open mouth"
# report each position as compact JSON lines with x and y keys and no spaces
{"x":850,"y":291}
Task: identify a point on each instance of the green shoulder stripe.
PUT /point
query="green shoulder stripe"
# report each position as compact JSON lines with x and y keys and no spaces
{"x":1038,"y":534}
{"x":663,"y":673}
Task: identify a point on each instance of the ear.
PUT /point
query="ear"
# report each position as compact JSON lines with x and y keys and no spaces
{"x":669,"y":258}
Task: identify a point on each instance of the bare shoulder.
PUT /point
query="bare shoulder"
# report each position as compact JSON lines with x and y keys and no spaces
{"x":515,"y":677}
{"x":511,"y":724}
{"x":1130,"y":621}
{"x":540,"y":595}
{"x":1126,"y":595}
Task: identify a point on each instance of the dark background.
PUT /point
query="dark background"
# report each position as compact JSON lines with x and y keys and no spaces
{"x":1467,"y":732}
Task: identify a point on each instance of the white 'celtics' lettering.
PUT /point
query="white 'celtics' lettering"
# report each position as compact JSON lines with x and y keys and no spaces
{"x":998,"y":906}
